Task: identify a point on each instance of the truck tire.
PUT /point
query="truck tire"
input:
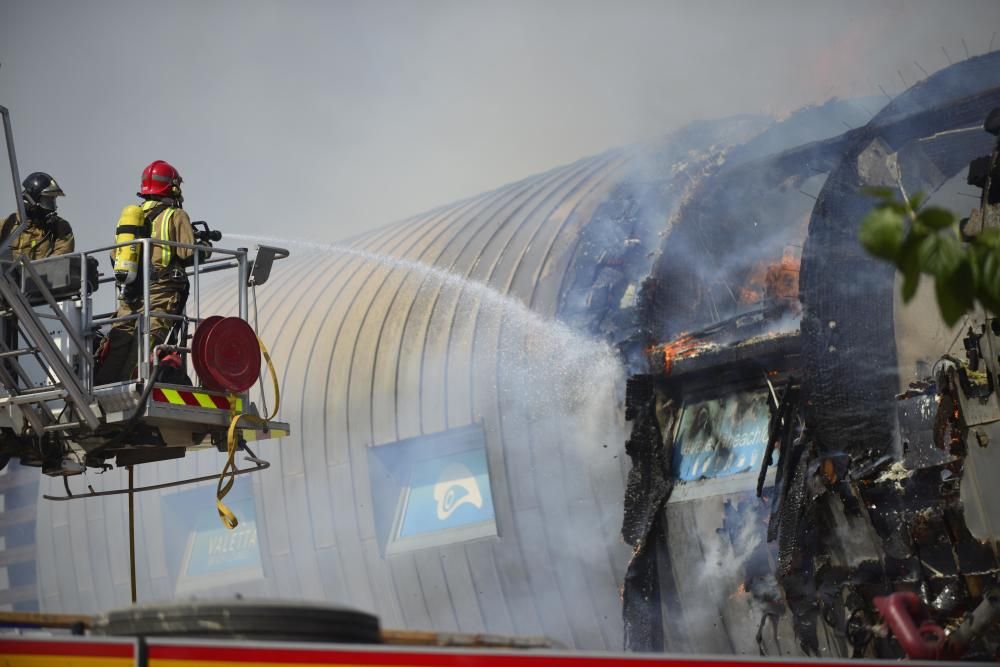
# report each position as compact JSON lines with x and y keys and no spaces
{"x":243,"y":619}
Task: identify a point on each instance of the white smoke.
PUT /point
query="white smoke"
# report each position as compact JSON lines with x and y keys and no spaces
{"x":558,"y":396}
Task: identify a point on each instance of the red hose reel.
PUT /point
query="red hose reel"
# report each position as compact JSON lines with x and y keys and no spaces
{"x":225,"y":353}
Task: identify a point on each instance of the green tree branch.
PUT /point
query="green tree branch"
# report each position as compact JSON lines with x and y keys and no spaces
{"x":928,"y":242}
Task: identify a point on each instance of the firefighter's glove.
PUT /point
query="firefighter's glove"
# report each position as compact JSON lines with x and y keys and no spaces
{"x":206,"y":252}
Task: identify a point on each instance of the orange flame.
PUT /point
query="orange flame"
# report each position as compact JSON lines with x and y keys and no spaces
{"x":776,"y":281}
{"x":740,"y":590}
{"x":678,"y":348}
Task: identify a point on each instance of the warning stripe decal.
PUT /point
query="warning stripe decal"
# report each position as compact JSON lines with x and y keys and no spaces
{"x":187,"y":397}
{"x":194,"y":399}
{"x":205,"y":401}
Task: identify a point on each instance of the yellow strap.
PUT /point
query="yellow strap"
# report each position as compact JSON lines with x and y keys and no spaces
{"x":229,"y":519}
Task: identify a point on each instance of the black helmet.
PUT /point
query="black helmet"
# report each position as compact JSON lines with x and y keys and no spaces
{"x":41,"y":190}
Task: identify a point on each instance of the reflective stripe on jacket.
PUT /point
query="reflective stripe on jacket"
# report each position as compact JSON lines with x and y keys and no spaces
{"x":172,"y":224}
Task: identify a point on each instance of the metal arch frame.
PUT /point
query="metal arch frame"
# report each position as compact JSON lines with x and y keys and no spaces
{"x":864,"y":338}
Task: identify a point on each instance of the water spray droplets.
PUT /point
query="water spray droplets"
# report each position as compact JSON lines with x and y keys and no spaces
{"x":542,"y":365}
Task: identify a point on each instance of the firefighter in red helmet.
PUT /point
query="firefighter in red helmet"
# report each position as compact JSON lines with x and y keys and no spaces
{"x":159,"y":217}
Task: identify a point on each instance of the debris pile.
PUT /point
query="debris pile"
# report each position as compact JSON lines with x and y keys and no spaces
{"x":785,"y":497}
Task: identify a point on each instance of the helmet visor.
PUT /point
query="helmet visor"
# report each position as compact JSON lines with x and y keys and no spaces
{"x":52,"y":190}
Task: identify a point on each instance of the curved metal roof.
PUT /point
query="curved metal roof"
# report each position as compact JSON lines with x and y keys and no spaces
{"x":435,"y":327}
{"x":372,"y":352}
{"x":931,"y":131}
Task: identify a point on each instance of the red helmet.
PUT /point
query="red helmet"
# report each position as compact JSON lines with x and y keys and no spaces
{"x":160,"y":178}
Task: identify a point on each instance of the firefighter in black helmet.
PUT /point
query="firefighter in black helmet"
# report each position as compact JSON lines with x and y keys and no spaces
{"x":47,"y":234}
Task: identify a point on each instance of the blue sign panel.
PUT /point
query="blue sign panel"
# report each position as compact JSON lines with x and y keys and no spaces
{"x":214,"y":548}
{"x":721,"y":437}
{"x":205,"y":553}
{"x":447,"y":492}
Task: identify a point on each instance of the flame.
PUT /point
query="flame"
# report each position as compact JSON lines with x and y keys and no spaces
{"x":679,"y":348}
{"x":773,"y":281}
{"x":755,"y":288}
{"x":957,"y":432}
{"x":783,"y":278}
{"x":740,"y":590}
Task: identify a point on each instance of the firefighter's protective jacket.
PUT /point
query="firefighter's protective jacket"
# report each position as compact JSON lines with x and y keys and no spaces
{"x":172,"y":224}
{"x":168,"y":285}
{"x":39,"y":239}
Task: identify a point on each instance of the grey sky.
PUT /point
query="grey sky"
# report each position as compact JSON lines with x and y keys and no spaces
{"x":321,"y":120}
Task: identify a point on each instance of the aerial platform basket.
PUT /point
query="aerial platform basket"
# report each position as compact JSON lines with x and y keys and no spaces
{"x":51,"y":412}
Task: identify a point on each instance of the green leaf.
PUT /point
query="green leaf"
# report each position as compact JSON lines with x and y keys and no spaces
{"x":988,"y":283}
{"x":975,"y":259}
{"x":939,"y":255}
{"x":897,"y":206}
{"x":990,"y":306}
{"x":909,"y":265}
{"x":954,"y":293}
{"x":911,"y":281}
{"x":917,"y":199}
{"x":881,"y":233}
{"x":989,"y":238}
{"x":879,"y":192}
{"x":936,"y":218}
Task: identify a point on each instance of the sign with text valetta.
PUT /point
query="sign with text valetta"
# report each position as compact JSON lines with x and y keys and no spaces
{"x":213,"y":555}
{"x":215,"y":549}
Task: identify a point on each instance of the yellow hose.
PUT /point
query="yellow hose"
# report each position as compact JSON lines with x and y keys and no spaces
{"x":229,"y":519}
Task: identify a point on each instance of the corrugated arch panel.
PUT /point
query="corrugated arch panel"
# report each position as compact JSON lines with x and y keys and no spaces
{"x":370,"y":353}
